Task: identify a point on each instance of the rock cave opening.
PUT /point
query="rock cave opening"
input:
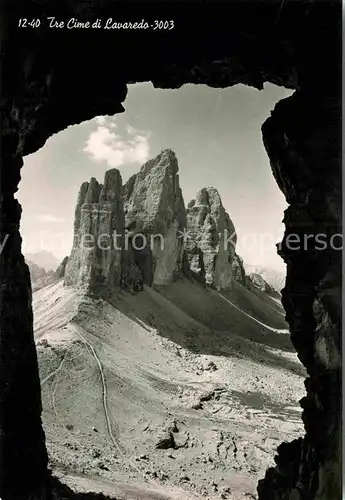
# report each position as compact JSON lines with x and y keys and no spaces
{"x":179,"y":181}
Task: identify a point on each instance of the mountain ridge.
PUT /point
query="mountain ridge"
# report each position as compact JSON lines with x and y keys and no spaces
{"x":44,"y":259}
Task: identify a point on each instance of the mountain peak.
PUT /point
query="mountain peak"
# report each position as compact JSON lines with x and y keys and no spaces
{"x":209,"y":226}
{"x":150,"y":205}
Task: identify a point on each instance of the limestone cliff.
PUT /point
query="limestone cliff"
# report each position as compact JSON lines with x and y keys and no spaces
{"x":95,"y":260}
{"x":155,"y":218}
{"x":211,"y":240}
{"x":132,"y":234}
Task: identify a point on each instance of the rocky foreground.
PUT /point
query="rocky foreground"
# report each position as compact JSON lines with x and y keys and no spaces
{"x":191,"y":408}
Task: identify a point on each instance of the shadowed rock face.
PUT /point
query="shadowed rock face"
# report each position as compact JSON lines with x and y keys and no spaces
{"x":239,"y":273}
{"x":298,"y":151}
{"x":48,"y":85}
{"x":39,"y":276}
{"x":95,"y":260}
{"x":211,"y":239}
{"x":155,"y":218}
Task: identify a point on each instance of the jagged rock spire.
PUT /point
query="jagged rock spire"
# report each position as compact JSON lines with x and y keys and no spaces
{"x":211,"y":239}
{"x":95,"y":260}
{"x":154,"y":206}
{"x":142,"y":232}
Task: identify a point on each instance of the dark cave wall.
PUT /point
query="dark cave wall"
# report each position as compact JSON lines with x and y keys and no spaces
{"x":23,"y":457}
{"x":51,"y":79}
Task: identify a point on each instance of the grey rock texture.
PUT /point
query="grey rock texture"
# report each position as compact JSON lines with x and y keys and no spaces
{"x":254,"y":279}
{"x":36,"y":272}
{"x":141,"y":233}
{"x":34,"y":91}
{"x":39,"y":276}
{"x":276,"y":279}
{"x":211,"y":240}
{"x":60,"y":272}
{"x":298,"y":150}
{"x":155,"y":218}
{"x":95,"y":260}
{"x":129,"y":235}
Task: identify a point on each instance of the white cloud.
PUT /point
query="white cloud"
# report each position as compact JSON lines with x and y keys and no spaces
{"x":104,"y":144}
{"x":130,"y":130}
{"x":49,"y":218}
{"x":101,"y":120}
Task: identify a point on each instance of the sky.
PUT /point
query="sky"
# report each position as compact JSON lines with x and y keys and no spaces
{"x":216,"y":135}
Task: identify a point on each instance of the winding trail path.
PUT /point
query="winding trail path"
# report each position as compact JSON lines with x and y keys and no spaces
{"x":114,"y":440}
{"x":104,"y":389}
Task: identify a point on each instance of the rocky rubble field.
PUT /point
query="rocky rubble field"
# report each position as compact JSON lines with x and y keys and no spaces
{"x":167,"y":372}
{"x":172,"y":420}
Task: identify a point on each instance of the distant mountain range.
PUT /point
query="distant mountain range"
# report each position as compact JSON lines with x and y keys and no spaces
{"x":39,"y":276}
{"x":276,"y":279}
{"x":43,"y":269}
{"x":43,"y":259}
